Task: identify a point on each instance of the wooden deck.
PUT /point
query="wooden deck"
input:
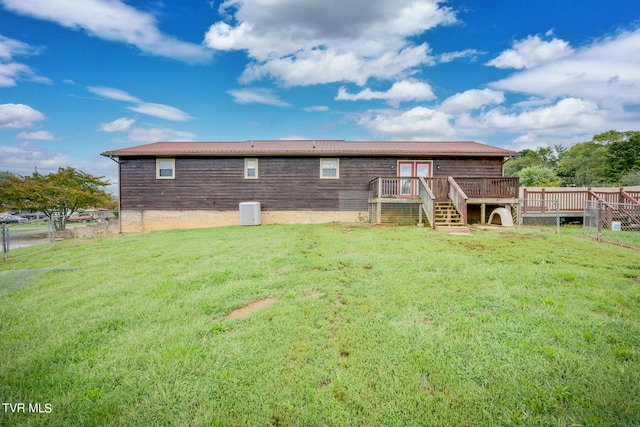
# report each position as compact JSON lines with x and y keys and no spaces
{"x":571,"y":201}
{"x":426,"y":192}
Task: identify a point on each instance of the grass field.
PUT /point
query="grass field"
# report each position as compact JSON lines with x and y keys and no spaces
{"x":339,"y":325}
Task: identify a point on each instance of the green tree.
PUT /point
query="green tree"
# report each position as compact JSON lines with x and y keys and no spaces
{"x":623,"y":156}
{"x":58,"y":194}
{"x":538,"y":176}
{"x":583,"y":164}
{"x":541,"y":157}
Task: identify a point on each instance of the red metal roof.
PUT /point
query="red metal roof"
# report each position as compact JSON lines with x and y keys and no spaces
{"x":312,"y":147}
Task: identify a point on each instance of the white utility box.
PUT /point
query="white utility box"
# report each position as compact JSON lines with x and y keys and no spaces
{"x":250,"y":213}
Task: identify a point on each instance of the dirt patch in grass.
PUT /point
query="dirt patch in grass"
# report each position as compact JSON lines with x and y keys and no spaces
{"x":312,"y":294}
{"x":250,"y":308}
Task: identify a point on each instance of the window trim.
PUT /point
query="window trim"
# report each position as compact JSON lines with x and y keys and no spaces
{"x":173,"y":168}
{"x":246,"y":168}
{"x":322,"y":169}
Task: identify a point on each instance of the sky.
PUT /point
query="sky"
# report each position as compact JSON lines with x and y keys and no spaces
{"x":79,"y":77}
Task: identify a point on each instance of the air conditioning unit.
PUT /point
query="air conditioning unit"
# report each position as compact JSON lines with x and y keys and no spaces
{"x":250,"y":213}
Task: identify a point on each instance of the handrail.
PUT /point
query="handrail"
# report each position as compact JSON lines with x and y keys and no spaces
{"x":628,"y":196}
{"x":428,"y":201}
{"x":458,"y":198}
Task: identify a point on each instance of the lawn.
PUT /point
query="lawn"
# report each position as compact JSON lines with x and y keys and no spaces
{"x":339,"y":325}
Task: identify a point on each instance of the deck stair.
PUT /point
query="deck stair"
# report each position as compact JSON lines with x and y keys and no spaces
{"x":446,"y":215}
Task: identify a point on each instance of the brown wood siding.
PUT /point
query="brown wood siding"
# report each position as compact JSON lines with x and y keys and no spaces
{"x":284,"y":183}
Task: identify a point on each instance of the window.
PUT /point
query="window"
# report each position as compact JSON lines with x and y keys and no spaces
{"x":251,"y":168}
{"x":165,"y":168}
{"x":329,"y":168}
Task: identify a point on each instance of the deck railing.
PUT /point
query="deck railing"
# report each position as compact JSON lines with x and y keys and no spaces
{"x":458,"y":198}
{"x":490,"y":188}
{"x":572,"y":200}
{"x":428,"y":201}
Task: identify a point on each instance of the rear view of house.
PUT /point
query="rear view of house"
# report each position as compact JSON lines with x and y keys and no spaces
{"x":202,"y":184}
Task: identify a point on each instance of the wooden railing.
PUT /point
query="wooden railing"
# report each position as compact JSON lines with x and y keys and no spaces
{"x":428,"y":201}
{"x":572,"y":200}
{"x":458,"y":198}
{"x":394,"y":187}
{"x":490,"y":188}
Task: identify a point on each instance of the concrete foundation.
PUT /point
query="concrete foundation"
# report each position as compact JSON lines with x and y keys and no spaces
{"x":138,"y":221}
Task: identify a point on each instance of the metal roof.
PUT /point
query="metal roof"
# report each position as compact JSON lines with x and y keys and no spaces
{"x":311,"y":148}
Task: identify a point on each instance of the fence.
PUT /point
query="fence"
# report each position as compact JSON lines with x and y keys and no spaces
{"x":540,"y":211}
{"x":617,"y":223}
{"x":29,"y":238}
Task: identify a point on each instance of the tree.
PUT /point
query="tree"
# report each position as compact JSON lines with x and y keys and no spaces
{"x":537,"y":176}
{"x":58,"y":194}
{"x":583,"y":164}
{"x":541,"y":157}
{"x":623,"y":156}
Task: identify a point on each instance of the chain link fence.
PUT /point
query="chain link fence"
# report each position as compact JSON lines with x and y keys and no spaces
{"x":26,"y":239}
{"x":617,"y":223}
{"x":540,"y":212}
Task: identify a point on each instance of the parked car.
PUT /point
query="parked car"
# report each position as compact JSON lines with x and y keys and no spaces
{"x":80,"y":218}
{"x":13,"y":219}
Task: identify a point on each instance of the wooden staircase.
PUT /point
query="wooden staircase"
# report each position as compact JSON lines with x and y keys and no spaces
{"x":446,"y":215}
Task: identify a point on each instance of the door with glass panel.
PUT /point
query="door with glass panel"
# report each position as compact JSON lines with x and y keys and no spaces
{"x":412,"y":169}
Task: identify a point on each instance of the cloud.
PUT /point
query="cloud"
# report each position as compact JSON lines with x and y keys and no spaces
{"x":605,"y":72}
{"x":18,"y":116}
{"x":257,"y":96}
{"x":22,"y":159}
{"x":11,"y":71}
{"x":417,"y":123}
{"x":161,"y":111}
{"x":532,"y":52}
{"x":41,"y":135}
{"x":317,"y":109}
{"x":566,"y":116}
{"x":306,"y":43}
{"x":471,"y":100}
{"x":122,"y":124}
{"x":148,"y":135}
{"x":111,"y":20}
{"x":400,"y":92}
{"x":113,"y":93}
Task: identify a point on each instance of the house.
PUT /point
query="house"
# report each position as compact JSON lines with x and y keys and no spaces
{"x":201,"y":184}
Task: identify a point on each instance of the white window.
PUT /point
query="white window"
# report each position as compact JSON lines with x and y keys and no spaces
{"x":329,"y":168}
{"x":165,"y":168}
{"x":251,"y":168}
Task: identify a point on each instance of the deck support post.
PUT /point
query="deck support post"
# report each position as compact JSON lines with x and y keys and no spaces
{"x":378,"y":213}
{"x":483,"y":212}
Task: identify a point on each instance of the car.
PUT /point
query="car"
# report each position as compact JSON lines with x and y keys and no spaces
{"x":80,"y":218}
{"x":13,"y":219}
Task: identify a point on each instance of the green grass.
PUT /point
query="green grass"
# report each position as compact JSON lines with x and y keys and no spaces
{"x":373,"y":326}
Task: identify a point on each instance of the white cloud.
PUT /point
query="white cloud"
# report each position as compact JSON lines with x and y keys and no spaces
{"x":11,"y":71}
{"x":18,"y":116}
{"x":159,"y":134}
{"x":257,"y":96}
{"x":305,"y":43}
{"x":113,"y":93}
{"x":317,"y":109}
{"x":41,"y":135}
{"x":605,"y":72}
{"x":402,"y":91}
{"x":122,"y":124}
{"x":532,"y":52}
{"x":161,"y":111}
{"x":568,"y":115}
{"x":111,"y":20}
{"x":24,"y":158}
{"x":418,"y":123}
{"x":471,"y":100}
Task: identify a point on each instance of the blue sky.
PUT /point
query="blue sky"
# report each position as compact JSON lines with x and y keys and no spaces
{"x":78,"y":77}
